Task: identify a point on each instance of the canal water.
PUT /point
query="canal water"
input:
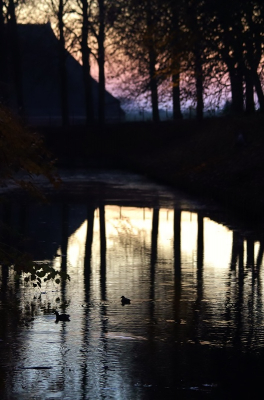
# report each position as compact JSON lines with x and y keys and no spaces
{"x":193,"y":274}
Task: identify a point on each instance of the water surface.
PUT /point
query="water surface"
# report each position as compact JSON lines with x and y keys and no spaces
{"x":194,"y":328}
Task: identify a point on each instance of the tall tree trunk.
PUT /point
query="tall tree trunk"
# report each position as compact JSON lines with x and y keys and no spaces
{"x":153,"y":86}
{"x":235,"y":62}
{"x":152,"y":67}
{"x":197,"y":49}
{"x":101,"y":62}
{"x":236,"y":80}
{"x":86,"y":66}
{"x":175,"y":62}
{"x":259,"y":90}
{"x":176,"y":96}
{"x":199,"y":84}
{"x":62,"y":68}
{"x":253,"y":54}
{"x":15,"y":53}
{"x":250,"y":105}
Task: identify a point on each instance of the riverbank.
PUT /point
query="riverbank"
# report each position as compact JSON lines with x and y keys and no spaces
{"x":205,"y":158}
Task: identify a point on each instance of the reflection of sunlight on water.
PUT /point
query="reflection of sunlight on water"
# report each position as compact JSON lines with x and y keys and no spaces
{"x":188,"y":237}
{"x":128,"y":237}
{"x":205,"y":306}
{"x":217,"y":245}
{"x":75,"y":253}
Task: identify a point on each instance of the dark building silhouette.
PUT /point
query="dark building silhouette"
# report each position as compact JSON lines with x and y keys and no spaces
{"x":41,"y":80}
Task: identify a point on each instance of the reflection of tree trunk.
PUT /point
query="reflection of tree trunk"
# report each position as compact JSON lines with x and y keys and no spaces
{"x":238,"y":313}
{"x":198,"y":302}
{"x":234,"y":253}
{"x":240,"y":297}
{"x":260,"y":256}
{"x":64,"y":241}
{"x":237,"y":253}
{"x":102,"y":232}
{"x":200,"y":247}
{"x":84,"y":356}
{"x":177,"y":242}
{"x":241,"y":260}
{"x":104,"y":330}
{"x":101,"y":61}
{"x":154,"y":244}
{"x":153,"y":259}
{"x":154,"y":235}
{"x":64,"y":247}
{"x":103,"y":251}
{"x":86,"y":308}
{"x":200,"y":258}
{"x":250,"y":253}
{"x":62,"y":68}
{"x":87,"y":282}
{"x":89,"y":241}
{"x":227,"y":312}
{"x":177,"y":298}
{"x":177,"y":263}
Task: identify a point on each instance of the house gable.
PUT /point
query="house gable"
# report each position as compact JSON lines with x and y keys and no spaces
{"x":41,"y":80}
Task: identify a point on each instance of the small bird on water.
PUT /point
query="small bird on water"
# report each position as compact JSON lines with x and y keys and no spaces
{"x":124,"y":300}
{"x":62,"y":317}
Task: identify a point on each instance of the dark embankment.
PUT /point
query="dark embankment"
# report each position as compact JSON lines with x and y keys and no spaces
{"x":203,"y":158}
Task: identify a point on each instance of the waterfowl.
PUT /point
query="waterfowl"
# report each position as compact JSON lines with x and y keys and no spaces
{"x":62,"y":317}
{"x":124,"y":300}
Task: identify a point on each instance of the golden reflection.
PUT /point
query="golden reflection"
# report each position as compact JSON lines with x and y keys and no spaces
{"x":217,"y":245}
{"x":210,"y":303}
{"x":188,"y":237}
{"x":75,"y":253}
{"x":129,"y":225}
{"x":133,"y":265}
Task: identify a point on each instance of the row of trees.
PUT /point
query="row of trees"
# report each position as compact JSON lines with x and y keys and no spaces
{"x":204,"y":47}
{"x":170,"y":50}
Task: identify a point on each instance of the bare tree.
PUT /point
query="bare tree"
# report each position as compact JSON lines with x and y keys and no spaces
{"x":73,"y":29}
{"x":101,"y":60}
{"x":85,"y":8}
{"x":137,"y":29}
{"x":59,"y":9}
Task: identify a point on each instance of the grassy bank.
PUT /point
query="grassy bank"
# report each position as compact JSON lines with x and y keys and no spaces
{"x":203,"y":158}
